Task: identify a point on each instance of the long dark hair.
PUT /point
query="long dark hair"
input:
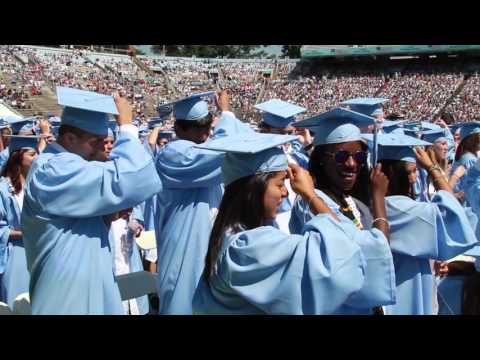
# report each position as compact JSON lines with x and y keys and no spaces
{"x":470,"y":144}
{"x":241,"y":208}
{"x":397,"y":176}
{"x":13,"y":169}
{"x":360,"y":191}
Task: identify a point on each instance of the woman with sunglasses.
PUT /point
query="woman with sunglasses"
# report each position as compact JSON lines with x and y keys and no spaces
{"x":251,"y":266}
{"x":420,"y":231}
{"x":338,"y":166}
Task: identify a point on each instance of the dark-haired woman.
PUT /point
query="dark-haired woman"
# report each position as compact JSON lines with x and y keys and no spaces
{"x":254,"y":268}
{"x":338,"y":165}
{"x":420,"y":231}
{"x":16,"y":278}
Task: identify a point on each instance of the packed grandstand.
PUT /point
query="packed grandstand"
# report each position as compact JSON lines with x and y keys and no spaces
{"x":419,"y":85}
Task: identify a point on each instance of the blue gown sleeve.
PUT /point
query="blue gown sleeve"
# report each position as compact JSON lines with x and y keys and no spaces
{"x":4,"y":232}
{"x":182,"y":166}
{"x":69,"y":186}
{"x":437,"y":230}
{"x":313,"y":273}
{"x":379,"y":285}
{"x":472,"y":188}
{"x":451,"y":144}
{"x":138,"y":212}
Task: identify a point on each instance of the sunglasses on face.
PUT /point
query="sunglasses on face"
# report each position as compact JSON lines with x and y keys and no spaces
{"x":341,"y":156}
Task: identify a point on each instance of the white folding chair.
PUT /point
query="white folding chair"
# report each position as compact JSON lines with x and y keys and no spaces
{"x":146,"y":240}
{"x":5,"y":310}
{"x":21,"y":305}
{"x":136,"y":284}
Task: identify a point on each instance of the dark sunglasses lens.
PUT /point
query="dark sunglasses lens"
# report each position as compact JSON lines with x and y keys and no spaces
{"x":341,"y":156}
{"x":360,"y":156}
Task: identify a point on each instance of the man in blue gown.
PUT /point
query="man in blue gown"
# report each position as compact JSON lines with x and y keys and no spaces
{"x":192,"y":187}
{"x":68,"y":200}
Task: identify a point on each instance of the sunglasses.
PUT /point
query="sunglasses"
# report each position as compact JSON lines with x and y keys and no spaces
{"x":341,"y":156}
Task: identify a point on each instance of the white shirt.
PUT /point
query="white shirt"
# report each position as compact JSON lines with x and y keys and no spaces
{"x":19,"y":198}
{"x":122,"y":248}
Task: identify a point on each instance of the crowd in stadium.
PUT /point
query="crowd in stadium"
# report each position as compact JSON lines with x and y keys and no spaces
{"x":416,"y":93}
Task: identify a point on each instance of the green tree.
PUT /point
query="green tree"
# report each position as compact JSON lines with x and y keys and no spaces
{"x":291,"y":51}
{"x":205,"y":51}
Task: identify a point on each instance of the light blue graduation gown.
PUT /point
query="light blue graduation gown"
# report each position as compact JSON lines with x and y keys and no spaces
{"x":450,"y":143}
{"x":379,"y":277}
{"x":16,"y":278}
{"x":299,"y":155}
{"x":192,"y":189}
{"x":421,"y":185}
{"x":472,"y":190}
{"x":4,"y":155}
{"x":420,"y":231}
{"x":265,"y":271}
{"x":468,"y":160}
{"x":66,"y":239}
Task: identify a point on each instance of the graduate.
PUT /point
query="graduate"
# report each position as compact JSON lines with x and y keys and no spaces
{"x":338,"y":165}
{"x":126,"y":257}
{"x":419,"y":231}
{"x":192,"y":187}
{"x":121,"y":236}
{"x":372,"y":107}
{"x":438,"y":154}
{"x":278,"y":118}
{"x":69,"y":198}
{"x":467,"y":154}
{"x":13,"y":264}
{"x":5,"y":132}
{"x":254,"y":268}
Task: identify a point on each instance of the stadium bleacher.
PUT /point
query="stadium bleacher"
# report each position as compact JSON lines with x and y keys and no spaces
{"x":418,"y":90}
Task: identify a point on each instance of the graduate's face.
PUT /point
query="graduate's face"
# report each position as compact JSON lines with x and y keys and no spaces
{"x":441,"y":149}
{"x":27,"y":159}
{"x":88,"y":146}
{"x":456,"y":137}
{"x":4,"y":133}
{"x":274,"y":194}
{"x":411,"y":170}
{"x":107,"y":146}
{"x":343,"y":175}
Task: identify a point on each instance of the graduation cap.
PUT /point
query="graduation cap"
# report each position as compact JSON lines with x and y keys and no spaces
{"x":250,"y":153}
{"x":19,"y":142}
{"x":395,"y":146}
{"x":191,"y":108}
{"x":86,"y":110}
{"x":390,"y":125}
{"x":366,"y":106}
{"x":166,"y":134}
{"x":469,"y":128}
{"x":18,"y":124}
{"x":279,"y":114}
{"x":155,"y":122}
{"x":455,"y":127}
{"x":4,"y":124}
{"x":164,"y":111}
{"x":336,"y":126}
{"x":434,"y":135}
